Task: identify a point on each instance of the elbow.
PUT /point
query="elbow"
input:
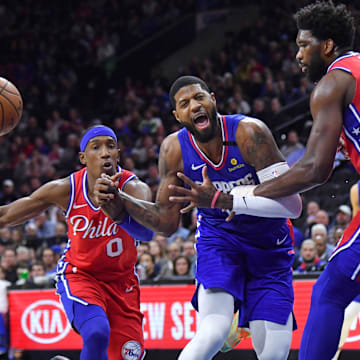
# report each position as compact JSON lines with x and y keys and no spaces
{"x":318,"y":175}
{"x":169,"y":232}
{"x":297,"y":208}
{"x":169,"y":229}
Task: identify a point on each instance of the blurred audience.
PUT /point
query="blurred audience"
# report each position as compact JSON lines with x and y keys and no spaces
{"x":309,"y":261}
{"x":342,"y":219}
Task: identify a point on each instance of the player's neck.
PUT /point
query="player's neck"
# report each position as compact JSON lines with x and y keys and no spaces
{"x":213,"y":148}
{"x":90,"y":190}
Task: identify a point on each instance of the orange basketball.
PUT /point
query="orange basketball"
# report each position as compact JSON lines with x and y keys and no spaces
{"x":11,"y":106}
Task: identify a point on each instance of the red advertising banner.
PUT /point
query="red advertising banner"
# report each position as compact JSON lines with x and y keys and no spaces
{"x":38,"y":321}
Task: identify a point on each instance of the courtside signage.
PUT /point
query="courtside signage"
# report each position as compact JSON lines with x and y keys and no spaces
{"x":38,"y":321}
{"x":44,"y":322}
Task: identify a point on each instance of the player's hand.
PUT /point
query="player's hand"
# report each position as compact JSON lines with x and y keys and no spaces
{"x":342,"y":148}
{"x":105,"y":188}
{"x":230,"y":217}
{"x":197,"y":195}
{"x":108,"y":198}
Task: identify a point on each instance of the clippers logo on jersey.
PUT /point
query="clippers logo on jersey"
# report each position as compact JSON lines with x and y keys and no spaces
{"x":227,"y":186}
{"x":45,"y":322}
{"x":131,"y":350}
{"x":83,"y":224}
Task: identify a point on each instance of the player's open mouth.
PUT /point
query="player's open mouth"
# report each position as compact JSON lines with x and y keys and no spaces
{"x":303,"y":68}
{"x":201,"y":120}
{"x":107,"y":166}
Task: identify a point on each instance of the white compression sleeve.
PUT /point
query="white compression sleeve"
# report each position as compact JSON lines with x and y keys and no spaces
{"x":216,"y":310}
{"x":244,"y":202}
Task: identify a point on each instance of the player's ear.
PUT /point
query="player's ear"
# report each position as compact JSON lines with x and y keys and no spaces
{"x":213,"y":97}
{"x":176,"y":115}
{"x":329,"y":46}
{"x":82,"y":158}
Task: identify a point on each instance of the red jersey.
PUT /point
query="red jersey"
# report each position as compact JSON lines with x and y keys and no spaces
{"x":350,"y":62}
{"x":96,"y":244}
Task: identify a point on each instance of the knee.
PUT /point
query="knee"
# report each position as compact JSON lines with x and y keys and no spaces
{"x":96,"y":331}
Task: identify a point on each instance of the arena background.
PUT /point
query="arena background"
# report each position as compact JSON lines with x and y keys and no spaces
{"x":111,"y":62}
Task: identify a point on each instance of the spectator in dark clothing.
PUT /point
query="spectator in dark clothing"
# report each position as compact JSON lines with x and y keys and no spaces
{"x":309,"y":260}
{"x":148,"y":262}
{"x":8,"y":263}
{"x":8,"y":192}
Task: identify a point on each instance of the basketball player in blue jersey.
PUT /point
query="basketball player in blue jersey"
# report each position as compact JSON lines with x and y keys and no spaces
{"x":242,"y":264}
{"x":325,"y":39}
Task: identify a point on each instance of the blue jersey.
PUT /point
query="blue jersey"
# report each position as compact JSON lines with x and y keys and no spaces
{"x":230,"y":172}
{"x":249,"y":257}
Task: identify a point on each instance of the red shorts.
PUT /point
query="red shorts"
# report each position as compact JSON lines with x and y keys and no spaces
{"x":120,"y":300}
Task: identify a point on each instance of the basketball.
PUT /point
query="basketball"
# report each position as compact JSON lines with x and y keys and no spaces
{"x":11,"y":106}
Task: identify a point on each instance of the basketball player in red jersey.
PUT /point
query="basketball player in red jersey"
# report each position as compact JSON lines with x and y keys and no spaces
{"x":95,"y":276}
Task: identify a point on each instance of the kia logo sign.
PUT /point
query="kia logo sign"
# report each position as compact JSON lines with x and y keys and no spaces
{"x":45,"y":322}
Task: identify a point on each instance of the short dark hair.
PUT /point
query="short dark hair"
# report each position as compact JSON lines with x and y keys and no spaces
{"x":327,"y":21}
{"x":185,"y":81}
{"x":187,"y":261}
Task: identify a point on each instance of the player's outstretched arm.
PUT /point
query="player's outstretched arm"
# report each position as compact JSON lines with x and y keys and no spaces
{"x":162,"y":216}
{"x":328,"y":100}
{"x":56,"y":192}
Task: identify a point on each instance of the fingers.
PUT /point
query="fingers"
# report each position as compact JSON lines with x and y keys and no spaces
{"x":180,"y":199}
{"x":185,"y":179}
{"x":116,"y":178}
{"x":205,"y":174}
{"x":179,"y":189}
{"x":187,"y":208}
{"x":104,"y":189}
{"x":230,"y":217}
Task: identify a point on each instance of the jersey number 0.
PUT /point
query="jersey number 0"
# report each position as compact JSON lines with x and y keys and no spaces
{"x":114,"y":247}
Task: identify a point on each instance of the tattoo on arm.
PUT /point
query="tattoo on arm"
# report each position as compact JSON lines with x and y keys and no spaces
{"x":148,"y":217}
{"x":163,"y":167}
{"x":257,"y":150}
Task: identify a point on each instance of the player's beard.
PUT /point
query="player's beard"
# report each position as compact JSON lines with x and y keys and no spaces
{"x":208,"y":134}
{"x":317,"y":67}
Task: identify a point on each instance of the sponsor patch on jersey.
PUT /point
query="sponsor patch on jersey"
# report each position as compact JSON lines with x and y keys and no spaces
{"x":238,"y":166}
{"x":235,"y":164}
{"x":131,"y":350}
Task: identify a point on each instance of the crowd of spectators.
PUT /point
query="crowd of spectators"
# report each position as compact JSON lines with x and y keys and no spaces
{"x":63,"y":58}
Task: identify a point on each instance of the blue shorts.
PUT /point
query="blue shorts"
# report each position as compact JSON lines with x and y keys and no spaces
{"x":260,"y":279}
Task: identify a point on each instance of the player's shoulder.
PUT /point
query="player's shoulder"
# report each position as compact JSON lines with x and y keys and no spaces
{"x":171,"y":144}
{"x":127,"y":174}
{"x":62,"y":183}
{"x":55,"y":191}
{"x":250,"y":125}
{"x":332,"y":83}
